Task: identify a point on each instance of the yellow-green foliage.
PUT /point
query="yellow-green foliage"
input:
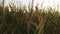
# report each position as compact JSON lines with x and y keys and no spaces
{"x":38,"y":22}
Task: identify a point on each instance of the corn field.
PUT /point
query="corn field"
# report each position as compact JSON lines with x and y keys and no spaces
{"x":21,"y":21}
{"x":38,"y":22}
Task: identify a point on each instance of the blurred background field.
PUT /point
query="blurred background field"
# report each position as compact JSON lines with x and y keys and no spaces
{"x":29,"y":21}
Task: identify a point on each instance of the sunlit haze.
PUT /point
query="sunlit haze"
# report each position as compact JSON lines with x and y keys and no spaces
{"x":44,"y":3}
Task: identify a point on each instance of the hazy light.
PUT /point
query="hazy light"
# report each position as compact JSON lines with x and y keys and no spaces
{"x":26,"y":2}
{"x":42,"y":3}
